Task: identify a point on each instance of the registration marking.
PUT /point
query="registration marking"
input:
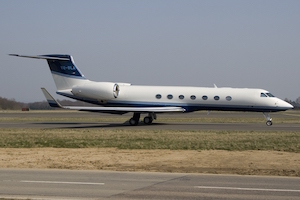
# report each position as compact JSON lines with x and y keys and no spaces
{"x":247,"y":189}
{"x":59,"y":182}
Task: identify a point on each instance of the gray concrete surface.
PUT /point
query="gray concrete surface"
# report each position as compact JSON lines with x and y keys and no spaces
{"x":67,"y":184}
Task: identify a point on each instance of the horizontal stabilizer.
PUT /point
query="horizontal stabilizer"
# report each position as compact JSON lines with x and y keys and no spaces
{"x":41,"y":57}
{"x":53,"y":103}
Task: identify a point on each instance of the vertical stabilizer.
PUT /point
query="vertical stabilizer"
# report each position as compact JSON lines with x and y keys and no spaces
{"x":64,"y":72}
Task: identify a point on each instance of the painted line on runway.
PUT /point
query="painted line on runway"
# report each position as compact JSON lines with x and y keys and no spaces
{"x":247,"y":189}
{"x":58,"y":182}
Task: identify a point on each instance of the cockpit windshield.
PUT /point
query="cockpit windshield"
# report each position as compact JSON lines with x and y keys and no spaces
{"x":270,"y":95}
{"x":266,"y":95}
{"x":263,"y":95}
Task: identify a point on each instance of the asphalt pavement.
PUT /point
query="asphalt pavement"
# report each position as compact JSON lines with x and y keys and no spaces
{"x":68,"y":184}
{"x":69,"y":123}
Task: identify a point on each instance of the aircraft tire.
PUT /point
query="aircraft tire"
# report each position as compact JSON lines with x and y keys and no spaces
{"x":148,"y":120}
{"x":269,"y":123}
{"x":133,"y":122}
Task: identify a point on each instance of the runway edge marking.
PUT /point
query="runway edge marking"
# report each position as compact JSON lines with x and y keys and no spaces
{"x":246,"y":189}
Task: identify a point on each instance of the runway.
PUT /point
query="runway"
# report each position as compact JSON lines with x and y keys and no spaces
{"x":29,"y":120}
{"x":160,"y":126}
{"x":67,"y":184}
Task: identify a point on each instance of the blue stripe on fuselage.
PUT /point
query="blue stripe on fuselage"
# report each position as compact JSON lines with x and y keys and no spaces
{"x":197,"y":107}
{"x":87,"y":100}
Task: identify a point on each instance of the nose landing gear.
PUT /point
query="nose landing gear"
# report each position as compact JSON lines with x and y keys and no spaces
{"x":268,"y":118}
{"x":269,"y":123}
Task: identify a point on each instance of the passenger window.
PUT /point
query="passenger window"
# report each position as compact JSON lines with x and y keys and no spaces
{"x":170,"y":96}
{"x":181,"y":97}
{"x":216,"y":98}
{"x":228,"y":98}
{"x":158,"y":96}
{"x":263,"y":95}
{"x":193,"y":97}
{"x":204,"y":97}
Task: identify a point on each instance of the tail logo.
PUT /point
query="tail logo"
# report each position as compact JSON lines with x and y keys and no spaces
{"x":65,"y":68}
{"x":71,"y":68}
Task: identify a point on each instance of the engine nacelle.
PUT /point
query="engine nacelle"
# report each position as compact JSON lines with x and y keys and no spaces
{"x":97,"y":90}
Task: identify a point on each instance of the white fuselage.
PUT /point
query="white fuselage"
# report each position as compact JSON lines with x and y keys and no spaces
{"x":189,"y":98}
{"x":199,"y":98}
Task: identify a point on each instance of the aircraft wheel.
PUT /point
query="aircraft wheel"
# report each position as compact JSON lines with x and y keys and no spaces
{"x":269,"y":123}
{"x":148,"y":120}
{"x":133,"y":122}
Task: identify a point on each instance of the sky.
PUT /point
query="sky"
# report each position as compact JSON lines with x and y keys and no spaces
{"x":232,"y":43}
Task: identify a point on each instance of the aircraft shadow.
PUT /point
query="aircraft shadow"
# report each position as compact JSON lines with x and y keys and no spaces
{"x":78,"y":125}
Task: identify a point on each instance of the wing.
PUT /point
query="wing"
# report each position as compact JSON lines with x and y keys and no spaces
{"x":114,"y":110}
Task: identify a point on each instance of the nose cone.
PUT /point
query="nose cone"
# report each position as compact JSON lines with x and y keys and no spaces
{"x":284,"y":105}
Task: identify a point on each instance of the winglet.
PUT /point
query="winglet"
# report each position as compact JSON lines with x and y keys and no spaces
{"x":52,"y":102}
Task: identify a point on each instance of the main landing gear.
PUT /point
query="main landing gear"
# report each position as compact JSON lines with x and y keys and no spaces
{"x":147,"y":120}
{"x":268,"y":118}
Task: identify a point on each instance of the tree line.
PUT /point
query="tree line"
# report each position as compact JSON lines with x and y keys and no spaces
{"x":12,"y":104}
{"x":296,"y":103}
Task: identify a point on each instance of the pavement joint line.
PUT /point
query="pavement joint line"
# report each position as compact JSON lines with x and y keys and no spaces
{"x":247,"y":189}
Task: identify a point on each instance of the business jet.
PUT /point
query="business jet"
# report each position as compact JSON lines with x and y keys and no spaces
{"x":121,"y":98}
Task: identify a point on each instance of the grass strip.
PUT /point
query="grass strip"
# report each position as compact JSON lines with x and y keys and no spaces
{"x":150,"y":139}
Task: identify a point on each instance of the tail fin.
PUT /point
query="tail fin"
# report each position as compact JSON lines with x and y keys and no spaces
{"x":63,"y":70}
